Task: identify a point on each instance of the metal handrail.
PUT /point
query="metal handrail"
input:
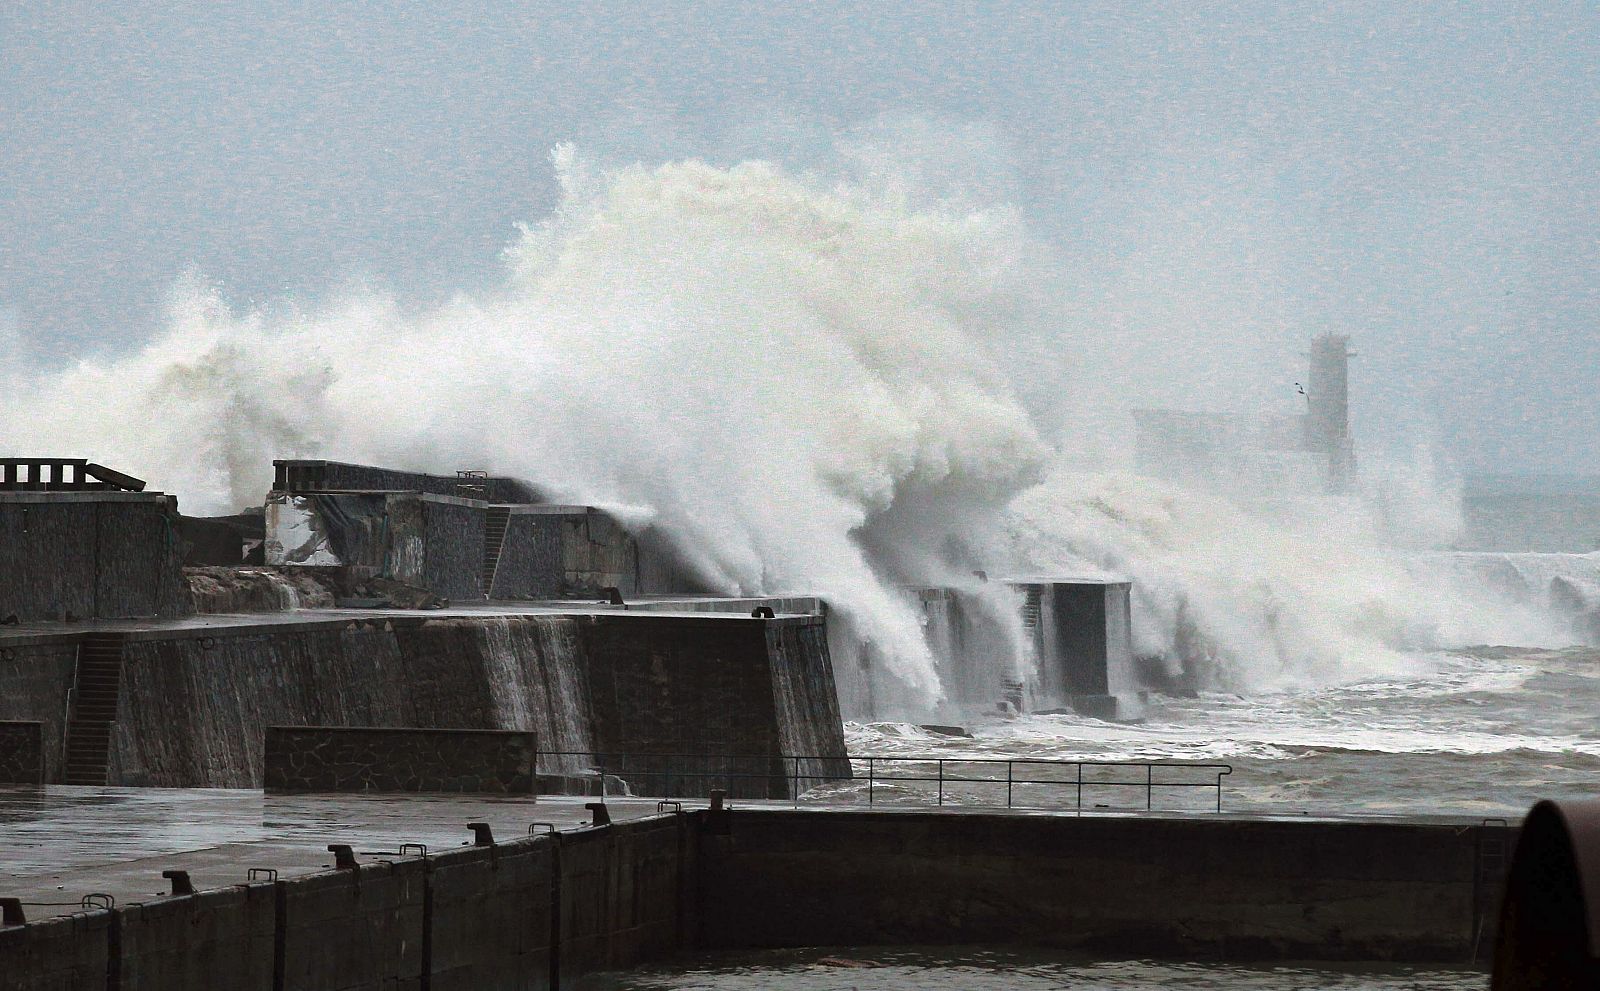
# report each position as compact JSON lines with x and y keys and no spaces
{"x":615,"y":764}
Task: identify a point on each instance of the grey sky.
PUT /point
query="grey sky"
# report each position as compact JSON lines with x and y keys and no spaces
{"x":1426,"y":178}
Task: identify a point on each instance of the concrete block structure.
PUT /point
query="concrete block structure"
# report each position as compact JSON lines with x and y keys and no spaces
{"x":1069,"y":647}
{"x":1081,"y":632}
{"x":73,"y":554}
{"x":448,"y":536}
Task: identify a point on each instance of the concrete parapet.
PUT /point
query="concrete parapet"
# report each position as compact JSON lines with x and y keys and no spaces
{"x":490,"y":912}
{"x":64,"y":954}
{"x":220,"y":938}
{"x":359,"y":929}
{"x":1217,"y":888}
{"x":625,"y":895}
{"x":362,"y":758}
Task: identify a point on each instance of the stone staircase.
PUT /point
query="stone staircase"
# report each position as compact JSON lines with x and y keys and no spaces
{"x":94,"y":709}
{"x":494,"y":539}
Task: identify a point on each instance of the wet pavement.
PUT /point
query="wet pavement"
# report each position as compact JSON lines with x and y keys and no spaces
{"x":59,"y":843}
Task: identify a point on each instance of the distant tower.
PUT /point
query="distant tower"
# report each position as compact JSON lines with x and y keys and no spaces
{"x":1328,"y":422}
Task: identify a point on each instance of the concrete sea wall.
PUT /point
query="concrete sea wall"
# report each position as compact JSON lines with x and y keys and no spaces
{"x":543,"y":912}
{"x":596,"y":690}
{"x":1208,"y":888}
{"x":88,"y":555}
{"x":193,"y":711}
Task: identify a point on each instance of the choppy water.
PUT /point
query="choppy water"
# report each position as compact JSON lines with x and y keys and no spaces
{"x":978,"y":969}
{"x":1484,"y":731}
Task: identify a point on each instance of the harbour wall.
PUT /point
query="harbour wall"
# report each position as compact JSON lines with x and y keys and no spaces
{"x":616,"y":690}
{"x":545,"y":911}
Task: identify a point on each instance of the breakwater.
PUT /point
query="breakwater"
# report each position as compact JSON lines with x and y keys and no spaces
{"x":543,"y":911}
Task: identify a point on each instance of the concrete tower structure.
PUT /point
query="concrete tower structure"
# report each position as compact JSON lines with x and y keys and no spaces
{"x":1328,"y":419}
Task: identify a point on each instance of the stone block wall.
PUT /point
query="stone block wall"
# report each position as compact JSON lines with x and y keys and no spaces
{"x":21,"y":753}
{"x":35,"y":677}
{"x":343,"y":758}
{"x":555,"y":552}
{"x":530,"y":557}
{"x":452,"y":532}
{"x":90,"y":555}
{"x":494,"y":673}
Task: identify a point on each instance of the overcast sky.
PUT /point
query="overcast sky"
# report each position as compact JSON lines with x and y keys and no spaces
{"x":1424,"y":177}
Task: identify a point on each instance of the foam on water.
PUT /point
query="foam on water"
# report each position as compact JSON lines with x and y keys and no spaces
{"x":1487,"y":731}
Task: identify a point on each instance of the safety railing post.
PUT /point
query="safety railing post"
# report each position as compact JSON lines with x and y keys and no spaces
{"x":1008,"y":784}
{"x":1080,"y":786}
{"x":871,"y":780}
{"x":941,"y":783}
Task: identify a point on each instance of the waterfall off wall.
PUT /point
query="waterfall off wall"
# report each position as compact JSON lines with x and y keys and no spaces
{"x":193,"y":708}
{"x":533,"y":666}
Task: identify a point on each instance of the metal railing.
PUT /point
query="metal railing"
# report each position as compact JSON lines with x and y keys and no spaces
{"x":884,"y":779}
